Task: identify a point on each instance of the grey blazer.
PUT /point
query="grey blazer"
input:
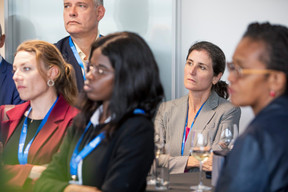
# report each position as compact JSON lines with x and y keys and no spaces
{"x":216,"y":114}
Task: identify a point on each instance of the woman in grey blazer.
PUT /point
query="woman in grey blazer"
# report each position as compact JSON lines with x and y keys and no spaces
{"x":204,"y":109}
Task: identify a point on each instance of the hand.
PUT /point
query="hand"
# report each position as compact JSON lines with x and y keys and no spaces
{"x":192,"y":162}
{"x":36,"y":171}
{"x":207,"y":165}
{"x":80,"y":188}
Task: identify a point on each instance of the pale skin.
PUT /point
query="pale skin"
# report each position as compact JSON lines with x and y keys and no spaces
{"x":81,"y":19}
{"x":32,"y":86}
{"x":198,"y":79}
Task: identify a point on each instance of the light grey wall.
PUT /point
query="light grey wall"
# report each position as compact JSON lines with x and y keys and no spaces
{"x":152,"y":19}
{"x":222,"y":22}
{"x":169,"y":27}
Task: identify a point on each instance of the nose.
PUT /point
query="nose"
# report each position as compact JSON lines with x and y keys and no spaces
{"x":16,"y":76}
{"x":73,"y":11}
{"x":192,"y":70}
{"x":232,"y":77}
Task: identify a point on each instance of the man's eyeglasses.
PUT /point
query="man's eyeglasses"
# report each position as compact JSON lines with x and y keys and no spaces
{"x":97,"y":70}
{"x":240,"y":72}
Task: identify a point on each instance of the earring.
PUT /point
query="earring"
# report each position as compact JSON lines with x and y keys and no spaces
{"x":50,"y":83}
{"x":272,"y":93}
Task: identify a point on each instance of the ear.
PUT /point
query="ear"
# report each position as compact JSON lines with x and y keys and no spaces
{"x":216,"y":78}
{"x":53,"y":72}
{"x":2,"y":40}
{"x":101,"y":12}
{"x":277,"y":82}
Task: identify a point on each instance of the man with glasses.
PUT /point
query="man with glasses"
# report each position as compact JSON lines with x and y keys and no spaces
{"x":81,"y":19}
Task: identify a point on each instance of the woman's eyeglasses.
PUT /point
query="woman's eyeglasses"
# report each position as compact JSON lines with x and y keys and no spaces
{"x":240,"y":72}
{"x":97,"y":70}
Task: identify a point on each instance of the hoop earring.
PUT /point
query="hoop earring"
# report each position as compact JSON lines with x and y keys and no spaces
{"x":272,"y":93}
{"x":50,"y":83}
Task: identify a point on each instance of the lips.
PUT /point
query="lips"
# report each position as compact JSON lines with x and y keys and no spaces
{"x":20,"y":87}
{"x":72,"y":22}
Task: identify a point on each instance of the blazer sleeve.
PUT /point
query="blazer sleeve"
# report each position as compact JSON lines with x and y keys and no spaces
{"x":17,"y":175}
{"x":55,"y":178}
{"x":177,"y":164}
{"x":133,"y":158}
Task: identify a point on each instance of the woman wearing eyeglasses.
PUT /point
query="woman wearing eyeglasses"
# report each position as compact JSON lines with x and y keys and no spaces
{"x":111,"y":145}
{"x":259,"y":78}
{"x":204,"y":109}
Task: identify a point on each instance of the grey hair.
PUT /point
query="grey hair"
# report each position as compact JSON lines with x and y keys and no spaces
{"x":98,"y":2}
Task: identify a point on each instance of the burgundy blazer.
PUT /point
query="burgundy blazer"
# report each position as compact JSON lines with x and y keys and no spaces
{"x":45,"y":144}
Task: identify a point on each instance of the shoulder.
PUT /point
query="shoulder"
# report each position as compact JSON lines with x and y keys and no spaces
{"x":169,"y":105}
{"x":224,"y":105}
{"x":62,"y":43}
{"x":137,"y":124}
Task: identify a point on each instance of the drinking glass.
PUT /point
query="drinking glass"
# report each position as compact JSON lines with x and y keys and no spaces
{"x":159,"y":145}
{"x":201,"y":150}
{"x":228,"y":137}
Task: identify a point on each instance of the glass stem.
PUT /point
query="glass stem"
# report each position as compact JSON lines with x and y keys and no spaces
{"x":200,"y":173}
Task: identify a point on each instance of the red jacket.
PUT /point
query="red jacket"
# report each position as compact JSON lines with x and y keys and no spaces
{"x":45,"y":144}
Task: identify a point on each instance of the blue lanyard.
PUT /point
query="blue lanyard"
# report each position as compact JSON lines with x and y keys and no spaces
{"x":77,"y":56}
{"x":184,"y":135}
{"x":79,"y":156}
{"x":79,"y":60}
{"x":23,"y":156}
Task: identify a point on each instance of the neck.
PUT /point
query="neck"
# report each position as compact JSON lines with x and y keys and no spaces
{"x":261,"y":104}
{"x":196,"y":100}
{"x":40,"y":106}
{"x":84,"y":41}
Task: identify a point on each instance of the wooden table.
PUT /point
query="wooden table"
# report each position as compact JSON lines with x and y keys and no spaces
{"x":182,"y":182}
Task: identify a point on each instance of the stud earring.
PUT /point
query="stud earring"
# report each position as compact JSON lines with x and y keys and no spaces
{"x":272,"y":93}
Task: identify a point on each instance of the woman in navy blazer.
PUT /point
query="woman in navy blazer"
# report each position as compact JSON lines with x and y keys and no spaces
{"x":259,"y":78}
{"x":33,"y":131}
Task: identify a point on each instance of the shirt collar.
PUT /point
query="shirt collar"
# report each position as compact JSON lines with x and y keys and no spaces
{"x":96,"y":115}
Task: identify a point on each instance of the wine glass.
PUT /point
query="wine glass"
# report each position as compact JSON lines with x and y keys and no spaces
{"x":228,"y":137}
{"x":201,"y":150}
{"x":159,"y":145}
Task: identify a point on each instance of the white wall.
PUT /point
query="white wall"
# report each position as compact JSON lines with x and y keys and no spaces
{"x":152,"y":19}
{"x":169,"y":26}
{"x":223,"y":22}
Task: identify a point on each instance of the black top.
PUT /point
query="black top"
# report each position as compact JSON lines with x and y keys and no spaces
{"x":120,"y":164}
{"x":10,"y":152}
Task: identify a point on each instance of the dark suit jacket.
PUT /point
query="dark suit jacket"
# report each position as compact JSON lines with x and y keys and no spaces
{"x":67,"y":53}
{"x":259,"y":158}
{"x":8,"y":91}
{"x":120,"y":164}
{"x":47,"y":141}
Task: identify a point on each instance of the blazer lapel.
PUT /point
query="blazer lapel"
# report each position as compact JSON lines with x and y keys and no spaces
{"x":179,"y":114}
{"x":204,"y":117}
{"x":14,"y":116}
{"x":56,"y":117}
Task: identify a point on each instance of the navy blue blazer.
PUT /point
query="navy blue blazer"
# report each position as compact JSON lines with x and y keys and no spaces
{"x":65,"y":49}
{"x":8,"y":91}
{"x":259,"y":158}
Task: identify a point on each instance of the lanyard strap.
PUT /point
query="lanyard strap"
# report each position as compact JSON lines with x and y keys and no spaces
{"x":77,"y":56}
{"x":23,"y":155}
{"x":184,"y":135}
{"x":77,"y":157}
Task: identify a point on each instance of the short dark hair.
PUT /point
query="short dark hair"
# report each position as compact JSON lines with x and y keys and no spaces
{"x":218,"y":61}
{"x":136,"y":79}
{"x":275,"y":38}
